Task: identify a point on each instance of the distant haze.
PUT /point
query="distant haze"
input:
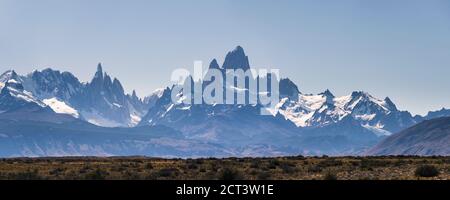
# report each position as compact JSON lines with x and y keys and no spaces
{"x":399,"y":49}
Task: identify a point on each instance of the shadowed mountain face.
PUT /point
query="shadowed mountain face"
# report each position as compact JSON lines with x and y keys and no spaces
{"x":431,"y":137}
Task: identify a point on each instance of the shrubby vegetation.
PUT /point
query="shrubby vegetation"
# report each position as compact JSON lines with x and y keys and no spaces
{"x":283,"y":168}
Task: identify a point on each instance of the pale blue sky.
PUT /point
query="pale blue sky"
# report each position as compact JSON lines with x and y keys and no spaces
{"x":395,"y":48}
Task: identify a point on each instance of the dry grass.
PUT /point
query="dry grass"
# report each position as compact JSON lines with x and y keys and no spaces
{"x":284,"y":168}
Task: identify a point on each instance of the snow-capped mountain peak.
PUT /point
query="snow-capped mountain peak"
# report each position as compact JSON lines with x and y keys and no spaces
{"x":99,"y":72}
{"x":288,"y":89}
{"x":13,"y":96}
{"x":214,"y":64}
{"x":50,"y":83}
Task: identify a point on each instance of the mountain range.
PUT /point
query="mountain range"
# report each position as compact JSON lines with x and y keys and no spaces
{"x":52,"y":113}
{"x":102,"y":101}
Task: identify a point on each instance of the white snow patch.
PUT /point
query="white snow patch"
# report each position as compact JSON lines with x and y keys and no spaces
{"x":237,"y":89}
{"x":342,"y":101}
{"x":158,"y":92}
{"x":134,"y":119}
{"x":185,"y":108}
{"x":377,"y":130}
{"x":293,"y":111}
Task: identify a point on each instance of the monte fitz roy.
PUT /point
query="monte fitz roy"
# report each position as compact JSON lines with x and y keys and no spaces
{"x":52,"y":113}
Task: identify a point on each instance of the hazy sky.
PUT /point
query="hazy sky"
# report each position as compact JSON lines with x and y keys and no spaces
{"x":399,"y":48}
